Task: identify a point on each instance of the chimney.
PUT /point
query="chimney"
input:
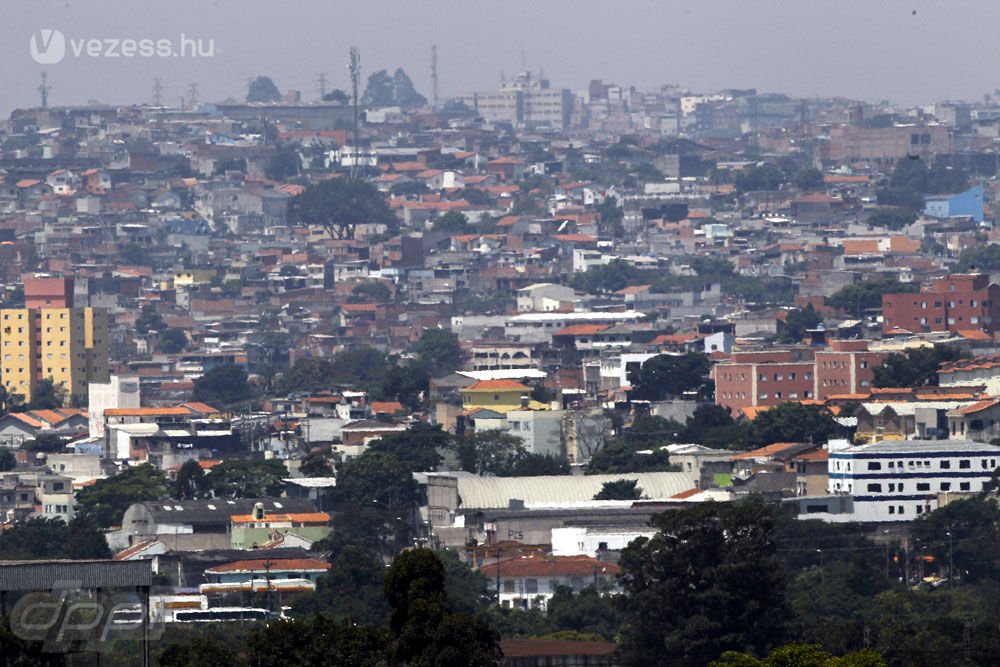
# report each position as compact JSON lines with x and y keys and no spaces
{"x":525,"y":400}
{"x":258,"y":512}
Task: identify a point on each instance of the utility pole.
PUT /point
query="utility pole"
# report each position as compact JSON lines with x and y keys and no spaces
{"x":157,"y":92}
{"x":44,"y":89}
{"x":321,"y":83}
{"x":434,"y":73}
{"x":193,"y":94}
{"x":354,"y":65}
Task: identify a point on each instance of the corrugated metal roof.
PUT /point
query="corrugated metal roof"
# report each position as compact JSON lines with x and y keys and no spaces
{"x":497,"y":492}
{"x":42,"y":575}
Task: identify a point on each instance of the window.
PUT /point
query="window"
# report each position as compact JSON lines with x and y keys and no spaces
{"x":900,"y":509}
{"x":892,"y":486}
{"x":946,"y":486}
{"x":892,"y":509}
{"x":874,"y":488}
{"x":874,"y":465}
{"x":920,"y":509}
{"x":963,"y":486}
{"x":945,"y":465}
{"x":531,"y":585}
{"x":964,"y":464}
{"x":508,"y":585}
{"x":923,"y":486}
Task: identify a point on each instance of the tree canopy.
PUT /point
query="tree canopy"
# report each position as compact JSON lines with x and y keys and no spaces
{"x":916,"y":367}
{"x":40,"y":538}
{"x":383,"y":90}
{"x":793,"y":422}
{"x":668,"y":375}
{"x":619,"y":489}
{"x":262,"y":89}
{"x":242,"y":478}
{"x":707,"y":582}
{"x":224,"y":385}
{"x":867,"y":295}
{"x":340,"y":205}
{"x":438,"y":351}
{"x":105,"y":501}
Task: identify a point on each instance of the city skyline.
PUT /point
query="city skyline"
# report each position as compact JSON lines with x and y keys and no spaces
{"x":873,"y":53}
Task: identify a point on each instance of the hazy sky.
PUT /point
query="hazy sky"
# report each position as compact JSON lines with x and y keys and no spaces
{"x":867,"y":49}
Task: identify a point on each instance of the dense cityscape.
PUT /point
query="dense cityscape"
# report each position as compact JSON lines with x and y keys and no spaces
{"x":524,"y":375}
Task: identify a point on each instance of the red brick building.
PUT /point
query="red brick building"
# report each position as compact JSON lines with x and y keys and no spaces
{"x":959,"y":302}
{"x":767,"y":378}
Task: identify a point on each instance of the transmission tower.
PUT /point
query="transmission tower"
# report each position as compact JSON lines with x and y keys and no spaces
{"x":43,"y":90}
{"x":321,"y":82}
{"x":354,"y":65}
{"x":434,"y":73}
{"x":193,"y":94}
{"x":157,"y":92}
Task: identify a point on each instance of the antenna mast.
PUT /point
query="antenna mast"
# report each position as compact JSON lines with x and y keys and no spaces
{"x":193,"y":94}
{"x":434,"y":73}
{"x":44,"y":89}
{"x":157,"y":92}
{"x":321,"y":81}
{"x":354,"y":66}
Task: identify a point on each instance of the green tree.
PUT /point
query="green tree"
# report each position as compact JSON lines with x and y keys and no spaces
{"x":666,"y":376}
{"x":792,"y":422}
{"x":491,"y":453}
{"x":198,"y":650}
{"x":980,"y":258}
{"x":619,"y":489}
{"x":532,"y":465}
{"x":106,"y":500}
{"x":867,"y":295}
{"x":262,"y":89}
{"x":759,"y":177}
{"x":425,"y":631}
{"x":224,"y":385}
{"x":8,"y":460}
{"x":801,"y":655}
{"x":172,"y":341}
{"x":316,"y":641}
{"x":589,"y":612}
{"x":369,"y":292}
{"x":916,"y":367}
{"x":283,"y":164}
{"x":420,"y":448}
{"x":38,"y":539}
{"x":307,"y":375}
{"x":797,"y":322}
{"x":707,"y":582}
{"x":622,"y":456}
{"x":190,"y":482}
{"x":966,"y":532}
{"x":351,"y":590}
{"x":45,"y":442}
{"x":337,"y":95}
{"x":149,"y":320}
{"x":240,"y":478}
{"x":452,"y":222}
{"x":892,"y":217}
{"x":316,"y":464}
{"x":47,"y":395}
{"x":611,"y":277}
{"x":379,"y":90}
{"x":10,"y":401}
{"x":438,"y":350}
{"x":809,"y":179}
{"x":403,"y":92}
{"x":340,"y":205}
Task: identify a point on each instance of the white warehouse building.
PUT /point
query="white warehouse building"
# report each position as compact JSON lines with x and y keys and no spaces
{"x":900,"y":480}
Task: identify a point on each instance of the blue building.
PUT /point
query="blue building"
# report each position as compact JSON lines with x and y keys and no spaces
{"x":963,"y":204}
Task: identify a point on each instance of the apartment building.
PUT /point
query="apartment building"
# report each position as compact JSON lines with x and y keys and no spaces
{"x":769,"y":377}
{"x":958,"y":302}
{"x":50,"y":338}
{"x":901,"y":480}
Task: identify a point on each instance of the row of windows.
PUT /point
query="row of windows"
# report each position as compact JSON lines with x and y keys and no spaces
{"x":943,"y":464}
{"x":791,"y":395}
{"x":900,"y":487}
{"x":48,"y":316}
{"x":531,"y":585}
{"x":778,"y":377}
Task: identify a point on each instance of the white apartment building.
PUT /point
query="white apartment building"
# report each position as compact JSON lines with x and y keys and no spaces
{"x":900,"y":480}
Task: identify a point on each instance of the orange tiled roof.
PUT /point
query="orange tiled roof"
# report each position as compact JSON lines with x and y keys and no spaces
{"x":767,"y":451}
{"x":559,"y":566}
{"x":497,"y":385}
{"x":582,"y":330}
{"x":301,"y":517}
